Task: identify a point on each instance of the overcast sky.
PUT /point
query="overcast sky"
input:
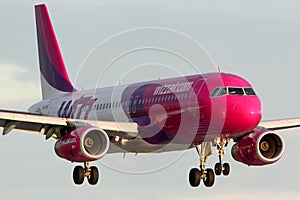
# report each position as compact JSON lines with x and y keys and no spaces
{"x":258,"y":40}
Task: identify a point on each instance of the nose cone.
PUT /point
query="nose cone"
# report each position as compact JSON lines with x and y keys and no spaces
{"x":243,"y":114}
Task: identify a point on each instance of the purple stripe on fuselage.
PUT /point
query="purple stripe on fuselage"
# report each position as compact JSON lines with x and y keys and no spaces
{"x":49,"y":72}
{"x":137,"y":112}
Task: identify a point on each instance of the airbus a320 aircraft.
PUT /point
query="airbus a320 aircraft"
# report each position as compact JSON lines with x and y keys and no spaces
{"x":201,"y":111}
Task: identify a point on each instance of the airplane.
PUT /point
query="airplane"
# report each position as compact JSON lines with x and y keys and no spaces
{"x":201,"y":111}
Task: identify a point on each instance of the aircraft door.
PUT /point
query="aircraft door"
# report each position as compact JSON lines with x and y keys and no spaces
{"x":134,"y":104}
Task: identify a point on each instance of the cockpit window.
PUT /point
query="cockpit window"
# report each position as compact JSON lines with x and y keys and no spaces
{"x":222,"y":91}
{"x":236,"y":91}
{"x":232,"y":91}
{"x":215,"y":92}
{"x":249,"y":91}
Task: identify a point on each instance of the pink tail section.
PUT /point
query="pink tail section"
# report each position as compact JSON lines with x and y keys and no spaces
{"x":54,"y":76}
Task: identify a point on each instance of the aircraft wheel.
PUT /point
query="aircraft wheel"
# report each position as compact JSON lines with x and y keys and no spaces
{"x":210,"y":178}
{"x":218,"y":169}
{"x":78,"y":175}
{"x":226,"y":169}
{"x":94,"y":176}
{"x":194,"y":177}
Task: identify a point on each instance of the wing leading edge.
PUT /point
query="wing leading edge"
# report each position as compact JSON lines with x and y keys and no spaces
{"x":280,"y":124}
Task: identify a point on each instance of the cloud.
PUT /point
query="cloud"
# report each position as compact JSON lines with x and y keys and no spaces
{"x":18,"y":87}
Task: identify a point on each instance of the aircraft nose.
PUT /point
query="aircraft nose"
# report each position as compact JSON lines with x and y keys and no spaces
{"x":246,"y":114}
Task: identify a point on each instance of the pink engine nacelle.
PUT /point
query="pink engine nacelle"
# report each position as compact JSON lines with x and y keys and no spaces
{"x":261,"y":147}
{"x":83,"y":144}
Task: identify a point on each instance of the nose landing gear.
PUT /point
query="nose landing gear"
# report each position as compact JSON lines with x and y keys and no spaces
{"x":206,"y":174}
{"x":219,"y":167}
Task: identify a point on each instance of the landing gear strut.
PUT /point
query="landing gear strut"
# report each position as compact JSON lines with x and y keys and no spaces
{"x":219,"y":167}
{"x":91,"y":173}
{"x":207,"y":175}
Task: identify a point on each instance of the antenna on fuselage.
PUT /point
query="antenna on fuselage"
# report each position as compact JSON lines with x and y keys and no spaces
{"x":219,"y":70}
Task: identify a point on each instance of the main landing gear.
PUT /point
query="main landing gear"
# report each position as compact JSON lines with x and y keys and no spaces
{"x":91,"y":173}
{"x":207,"y":174}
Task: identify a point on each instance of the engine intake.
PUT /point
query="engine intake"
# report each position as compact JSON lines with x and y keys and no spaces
{"x":83,"y":144}
{"x":259,"y":148}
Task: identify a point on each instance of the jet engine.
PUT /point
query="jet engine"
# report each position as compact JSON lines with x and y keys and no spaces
{"x":261,"y":147}
{"x":83,"y":144}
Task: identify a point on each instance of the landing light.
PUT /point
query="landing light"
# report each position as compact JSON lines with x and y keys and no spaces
{"x":117,"y":138}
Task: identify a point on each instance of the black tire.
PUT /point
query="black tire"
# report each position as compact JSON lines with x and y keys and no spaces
{"x":78,"y":175}
{"x":210,"y":178}
{"x":218,"y":169}
{"x":194,"y":177}
{"x":94,"y":176}
{"x":226,"y":169}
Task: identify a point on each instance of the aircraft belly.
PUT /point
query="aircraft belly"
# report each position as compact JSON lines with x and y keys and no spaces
{"x":139,"y":145}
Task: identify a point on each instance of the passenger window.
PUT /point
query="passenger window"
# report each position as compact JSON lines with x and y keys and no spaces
{"x":173,"y":97}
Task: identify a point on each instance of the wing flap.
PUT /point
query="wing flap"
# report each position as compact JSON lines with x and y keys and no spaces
{"x":50,"y":126}
{"x":124,"y":130}
{"x":10,"y":120}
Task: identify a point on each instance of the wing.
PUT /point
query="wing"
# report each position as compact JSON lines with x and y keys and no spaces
{"x":280,"y":124}
{"x":53,"y":126}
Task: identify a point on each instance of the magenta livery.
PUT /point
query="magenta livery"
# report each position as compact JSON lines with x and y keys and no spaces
{"x":202,"y":111}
